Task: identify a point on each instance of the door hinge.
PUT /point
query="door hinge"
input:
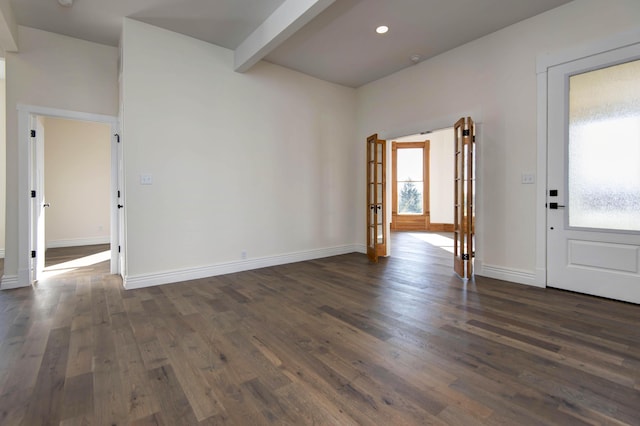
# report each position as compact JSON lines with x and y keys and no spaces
{"x":465,"y":256}
{"x":33,"y":194}
{"x":118,"y":249}
{"x":118,"y":193}
{"x":466,"y":132}
{"x":117,"y":137}
{"x":33,"y":253}
{"x":33,"y":133}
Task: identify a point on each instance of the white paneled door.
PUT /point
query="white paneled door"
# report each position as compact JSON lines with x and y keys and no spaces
{"x":593,"y":187}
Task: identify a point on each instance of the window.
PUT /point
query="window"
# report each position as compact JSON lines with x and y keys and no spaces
{"x":604,"y":148}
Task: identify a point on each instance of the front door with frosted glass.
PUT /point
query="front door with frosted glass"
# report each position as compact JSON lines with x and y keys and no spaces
{"x":593,"y":188}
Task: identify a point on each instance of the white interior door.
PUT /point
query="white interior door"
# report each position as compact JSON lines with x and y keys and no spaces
{"x":593,"y":192}
{"x":38,"y":245}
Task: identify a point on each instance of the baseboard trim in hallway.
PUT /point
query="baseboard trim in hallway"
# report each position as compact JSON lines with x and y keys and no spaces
{"x":506,"y":274}
{"x":187,"y":274}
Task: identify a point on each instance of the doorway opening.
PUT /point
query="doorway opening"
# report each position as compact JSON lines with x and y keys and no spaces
{"x":380,"y":205}
{"x":32,"y":237}
{"x":76,"y":191}
{"x":422,"y":195}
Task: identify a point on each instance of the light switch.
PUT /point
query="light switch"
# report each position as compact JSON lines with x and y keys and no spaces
{"x":146,"y":179}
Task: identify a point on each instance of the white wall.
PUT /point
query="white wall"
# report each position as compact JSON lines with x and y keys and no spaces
{"x":77,"y":182}
{"x":493,"y":79}
{"x":440,"y":173}
{"x":263,"y":162}
{"x":58,"y":72}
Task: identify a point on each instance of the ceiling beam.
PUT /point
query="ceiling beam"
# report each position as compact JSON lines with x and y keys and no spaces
{"x":8,"y":27}
{"x":279,"y":26}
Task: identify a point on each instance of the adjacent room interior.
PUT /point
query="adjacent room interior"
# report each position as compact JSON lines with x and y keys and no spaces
{"x":77,"y":180}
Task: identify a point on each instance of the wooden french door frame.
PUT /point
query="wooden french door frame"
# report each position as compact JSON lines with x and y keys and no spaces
{"x":410,"y":222}
{"x":464,"y":194}
{"x":376,"y":198}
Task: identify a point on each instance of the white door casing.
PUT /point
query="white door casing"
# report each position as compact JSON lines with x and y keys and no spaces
{"x":119,"y":211}
{"x":596,"y":261}
{"x":28,"y":229}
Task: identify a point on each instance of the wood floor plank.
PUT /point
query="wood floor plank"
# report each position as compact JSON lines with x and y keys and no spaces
{"x":46,"y":402}
{"x":18,"y":387}
{"x":171,"y":397}
{"x":78,"y":398}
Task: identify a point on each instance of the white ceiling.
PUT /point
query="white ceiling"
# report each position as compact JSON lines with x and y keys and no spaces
{"x":339,"y":45}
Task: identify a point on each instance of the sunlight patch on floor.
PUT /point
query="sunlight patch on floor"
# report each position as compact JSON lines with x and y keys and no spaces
{"x":435,"y":240}
{"x":72,"y":265}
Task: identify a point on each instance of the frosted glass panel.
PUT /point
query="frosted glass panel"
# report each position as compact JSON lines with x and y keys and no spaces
{"x":604,"y":148}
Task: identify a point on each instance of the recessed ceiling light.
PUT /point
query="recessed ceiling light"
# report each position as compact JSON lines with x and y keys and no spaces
{"x":382,"y":29}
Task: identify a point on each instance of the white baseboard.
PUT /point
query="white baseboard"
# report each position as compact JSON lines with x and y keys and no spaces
{"x":166,"y":277}
{"x":1,"y":253}
{"x":76,"y":242}
{"x":507,"y":274}
{"x":9,"y":281}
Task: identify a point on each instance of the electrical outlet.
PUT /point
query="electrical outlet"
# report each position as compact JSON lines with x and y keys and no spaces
{"x":146,"y":179}
{"x":243,"y":254}
{"x":528,"y":178}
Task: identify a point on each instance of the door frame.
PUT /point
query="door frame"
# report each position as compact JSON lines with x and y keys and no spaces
{"x":543,"y":63}
{"x":425,"y":127}
{"x":25,"y":170}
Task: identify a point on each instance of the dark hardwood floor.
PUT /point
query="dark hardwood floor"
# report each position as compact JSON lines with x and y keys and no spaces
{"x":335,"y":341}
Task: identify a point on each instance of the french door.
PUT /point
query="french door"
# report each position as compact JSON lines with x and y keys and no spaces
{"x":376,"y":198}
{"x":464,"y":192}
{"x":593,"y":166}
